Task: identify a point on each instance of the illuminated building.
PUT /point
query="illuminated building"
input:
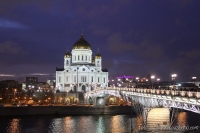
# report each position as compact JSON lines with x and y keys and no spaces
{"x":125,"y":81}
{"x":81,"y":71}
{"x":31,"y":82}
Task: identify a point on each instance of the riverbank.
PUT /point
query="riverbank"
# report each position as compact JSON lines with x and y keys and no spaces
{"x":64,"y":110}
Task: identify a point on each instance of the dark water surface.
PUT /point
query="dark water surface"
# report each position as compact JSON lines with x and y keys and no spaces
{"x":82,"y":123}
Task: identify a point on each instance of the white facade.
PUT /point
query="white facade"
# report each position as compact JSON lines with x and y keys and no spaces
{"x":81,"y":70}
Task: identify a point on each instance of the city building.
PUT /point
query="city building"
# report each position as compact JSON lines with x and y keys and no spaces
{"x":10,"y":84}
{"x":125,"y":81}
{"x":9,"y":90}
{"x":31,"y":83}
{"x":81,"y":72}
{"x":52,"y":84}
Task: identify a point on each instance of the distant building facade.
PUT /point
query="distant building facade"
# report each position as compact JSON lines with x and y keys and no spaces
{"x":81,"y":71}
{"x":31,"y":82}
{"x":9,"y":84}
{"x":125,"y":81}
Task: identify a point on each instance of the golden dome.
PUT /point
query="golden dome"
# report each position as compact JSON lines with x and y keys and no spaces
{"x":67,"y":54}
{"x":98,"y":56}
{"x":82,"y":44}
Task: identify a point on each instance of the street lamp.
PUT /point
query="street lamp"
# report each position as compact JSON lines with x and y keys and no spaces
{"x":137,"y":80}
{"x":152,"y":77}
{"x":173,"y":79}
{"x":49,"y":99}
{"x":194,"y":79}
{"x":77,"y":84}
{"x":158,"y":82}
{"x":15,"y":92}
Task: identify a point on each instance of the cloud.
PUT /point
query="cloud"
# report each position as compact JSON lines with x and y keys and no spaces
{"x":7,"y":75}
{"x":193,"y":54}
{"x":150,"y":50}
{"x":116,"y":44}
{"x":99,"y":30}
{"x":11,"y":24}
{"x":108,"y":63}
{"x":39,"y":74}
{"x":9,"y":47}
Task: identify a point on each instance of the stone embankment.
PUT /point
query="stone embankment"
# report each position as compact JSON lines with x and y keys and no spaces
{"x":64,"y":110}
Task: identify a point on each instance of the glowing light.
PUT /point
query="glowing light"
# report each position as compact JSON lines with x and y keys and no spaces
{"x":152,"y":77}
{"x":174,"y":75}
{"x":194,"y":77}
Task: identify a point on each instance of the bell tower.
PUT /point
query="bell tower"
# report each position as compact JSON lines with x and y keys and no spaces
{"x":98,"y":59}
{"x":67,"y":59}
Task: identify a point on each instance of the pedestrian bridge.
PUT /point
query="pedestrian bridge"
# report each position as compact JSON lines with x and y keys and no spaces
{"x":151,"y":98}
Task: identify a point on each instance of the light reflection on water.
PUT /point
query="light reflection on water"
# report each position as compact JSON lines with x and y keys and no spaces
{"x":91,"y":124}
{"x":182,"y":119}
{"x":79,"y":124}
{"x":14,"y":126}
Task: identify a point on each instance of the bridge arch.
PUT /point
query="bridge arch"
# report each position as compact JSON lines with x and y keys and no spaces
{"x":152,"y":98}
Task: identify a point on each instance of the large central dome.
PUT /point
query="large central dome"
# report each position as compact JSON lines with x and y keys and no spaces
{"x":82,"y":44}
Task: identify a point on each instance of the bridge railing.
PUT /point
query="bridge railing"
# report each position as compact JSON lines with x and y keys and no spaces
{"x":190,"y":94}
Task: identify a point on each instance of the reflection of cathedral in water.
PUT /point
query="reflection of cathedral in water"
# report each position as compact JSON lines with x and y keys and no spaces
{"x":81,"y":71}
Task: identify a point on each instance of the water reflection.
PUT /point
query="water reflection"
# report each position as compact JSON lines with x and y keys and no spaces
{"x":56,"y":125}
{"x":68,"y":122}
{"x":40,"y":126}
{"x":182,"y":119}
{"x":82,"y":124}
{"x":119,"y":124}
{"x":138,"y":123}
{"x":14,"y":126}
{"x":100,"y":125}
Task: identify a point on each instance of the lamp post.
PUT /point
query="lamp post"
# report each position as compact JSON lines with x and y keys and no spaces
{"x":15,"y":92}
{"x":194,"y":79}
{"x":137,"y":80}
{"x":158,"y":80}
{"x":77,"y":84}
{"x":173,"y":79}
{"x":152,"y":77}
{"x":49,"y":99}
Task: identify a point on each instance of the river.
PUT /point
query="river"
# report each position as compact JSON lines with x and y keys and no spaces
{"x":83,"y":123}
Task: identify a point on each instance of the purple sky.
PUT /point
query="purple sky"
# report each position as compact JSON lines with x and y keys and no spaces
{"x":134,"y":37}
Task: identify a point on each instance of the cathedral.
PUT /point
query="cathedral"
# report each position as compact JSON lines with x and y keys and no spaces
{"x":82,"y":72}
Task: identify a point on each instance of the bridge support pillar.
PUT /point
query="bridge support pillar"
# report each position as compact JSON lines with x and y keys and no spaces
{"x":156,"y":119}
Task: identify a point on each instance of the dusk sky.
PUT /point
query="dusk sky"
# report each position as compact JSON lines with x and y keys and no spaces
{"x":134,"y":37}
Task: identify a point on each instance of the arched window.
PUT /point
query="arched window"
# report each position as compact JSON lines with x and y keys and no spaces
{"x":67,"y":62}
{"x":75,"y":57}
{"x":78,"y":57}
{"x":86,"y":57}
{"x":82,"y":57}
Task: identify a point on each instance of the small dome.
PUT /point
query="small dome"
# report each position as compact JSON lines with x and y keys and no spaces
{"x":82,"y":44}
{"x":98,"y":56}
{"x":67,"y":54}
